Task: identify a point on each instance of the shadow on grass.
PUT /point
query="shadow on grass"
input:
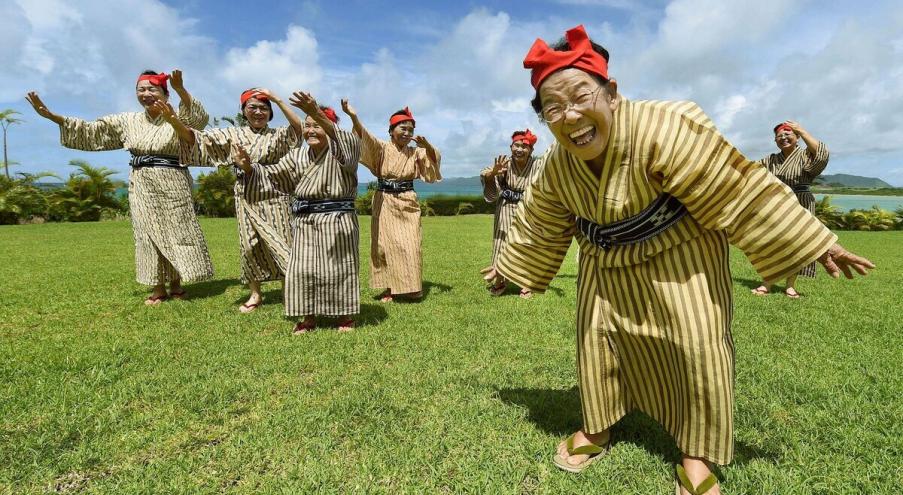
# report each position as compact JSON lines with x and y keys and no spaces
{"x":201,"y":290}
{"x":273,"y":295}
{"x":428,"y":287}
{"x":748,"y":282}
{"x":557,"y":412}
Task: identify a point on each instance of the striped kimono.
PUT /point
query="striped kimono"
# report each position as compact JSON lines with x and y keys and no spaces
{"x":654,"y":318}
{"x":169,"y":242}
{"x":263,"y":213}
{"x":800,"y":169}
{"x":515,"y":180}
{"x":395,"y":234}
{"x":322,"y":277}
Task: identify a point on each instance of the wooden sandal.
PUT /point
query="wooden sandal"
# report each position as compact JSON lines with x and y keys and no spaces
{"x":526,"y":294}
{"x":760,"y":291}
{"x":498,"y":289}
{"x":684,"y":481}
{"x":301,"y":327}
{"x":346,"y":325}
{"x":248,"y":308}
{"x":155,"y":300}
{"x":595,"y":452}
{"x":181,"y":295}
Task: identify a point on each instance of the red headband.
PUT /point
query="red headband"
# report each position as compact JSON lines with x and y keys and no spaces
{"x":402,"y":117}
{"x":543,"y":61}
{"x":781,"y":127}
{"x":156,"y":80}
{"x":330,"y":114}
{"x":253,"y":93}
{"x":526,"y":136}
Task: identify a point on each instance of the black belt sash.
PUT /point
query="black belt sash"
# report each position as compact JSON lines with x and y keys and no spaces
{"x":801,"y":188}
{"x":512,"y":196}
{"x":664,"y":212}
{"x":139,"y":161}
{"x":394,"y":186}
{"x":305,"y":206}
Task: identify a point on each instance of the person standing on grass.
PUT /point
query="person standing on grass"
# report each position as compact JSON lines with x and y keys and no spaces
{"x":169,"y":243}
{"x":395,"y":234}
{"x":797,"y":168}
{"x":655,"y":195}
{"x":263,"y":213}
{"x":322,"y":276}
{"x":504,"y":183}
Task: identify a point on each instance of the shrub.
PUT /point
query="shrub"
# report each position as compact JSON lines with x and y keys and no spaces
{"x":215,"y":195}
{"x":86,"y":194}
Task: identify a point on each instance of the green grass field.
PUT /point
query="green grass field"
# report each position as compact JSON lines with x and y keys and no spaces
{"x":461,"y":393}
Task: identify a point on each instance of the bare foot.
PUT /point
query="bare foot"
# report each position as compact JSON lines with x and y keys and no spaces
{"x":386,"y":297}
{"x":251,"y":304}
{"x":697,"y":471}
{"x":581,"y":439}
{"x":525,"y":294}
{"x":792,"y":293}
{"x":156,"y":297}
{"x":760,"y":290}
{"x":346,"y":325}
{"x":308,"y":324}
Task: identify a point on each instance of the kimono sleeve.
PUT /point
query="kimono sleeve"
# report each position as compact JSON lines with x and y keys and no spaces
{"x":490,"y":186}
{"x":279,"y":178}
{"x":102,"y":134}
{"x":284,"y":139}
{"x":372,"y":152}
{"x":539,"y":237}
{"x":818,"y":160}
{"x":427,"y":169}
{"x":211,"y":148}
{"x":193,"y":114}
{"x":346,"y":148}
{"x":723,"y":190}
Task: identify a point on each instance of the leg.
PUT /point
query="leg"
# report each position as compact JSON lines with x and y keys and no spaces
{"x":158,"y":295}
{"x":762,"y":289}
{"x":790,"y":291}
{"x":175,"y":287}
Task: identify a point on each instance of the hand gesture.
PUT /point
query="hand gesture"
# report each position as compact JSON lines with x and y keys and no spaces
{"x":38,"y":105}
{"x":269,"y":94}
{"x":164,"y":110}
{"x":348,"y":109}
{"x":797,"y":128}
{"x":176,"y":80}
{"x":501,"y":164}
{"x":837,"y":259}
{"x":305,"y":102}
{"x":241,"y":158}
{"x":422,"y":142}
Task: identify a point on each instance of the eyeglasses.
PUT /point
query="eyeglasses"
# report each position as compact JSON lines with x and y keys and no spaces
{"x":554,"y":112}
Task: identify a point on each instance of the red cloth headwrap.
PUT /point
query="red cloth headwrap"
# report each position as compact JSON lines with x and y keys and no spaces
{"x":527,"y":137}
{"x":778,"y":128}
{"x":397,"y":119}
{"x":330,"y":114}
{"x":156,"y":80}
{"x":543,"y":61}
{"x":253,"y":93}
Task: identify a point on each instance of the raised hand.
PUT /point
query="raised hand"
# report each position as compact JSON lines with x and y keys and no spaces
{"x":837,"y":259}
{"x":422,"y":142}
{"x":269,"y":94}
{"x":241,"y":158}
{"x":501,"y":164}
{"x":305,"y":102}
{"x":164,"y":110}
{"x":38,"y":105}
{"x":176,"y":80}
{"x":797,"y":128}
{"x":348,"y":109}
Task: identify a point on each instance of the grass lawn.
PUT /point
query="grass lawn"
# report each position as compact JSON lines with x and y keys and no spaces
{"x":459,"y":393}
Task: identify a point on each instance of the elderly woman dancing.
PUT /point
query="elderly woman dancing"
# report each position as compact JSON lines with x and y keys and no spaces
{"x":797,"y":168}
{"x":322,"y":276}
{"x":169,"y":243}
{"x":263,"y":213}
{"x":504,"y":184}
{"x":395,"y":235}
{"x":654,"y":195}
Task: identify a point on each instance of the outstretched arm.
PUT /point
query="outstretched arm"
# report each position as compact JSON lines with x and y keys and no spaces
{"x":309,"y":105}
{"x":357,"y":127}
{"x":293,"y":119}
{"x":166,"y":111}
{"x":41,"y":109}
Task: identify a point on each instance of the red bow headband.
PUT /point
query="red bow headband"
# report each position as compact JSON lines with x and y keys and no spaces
{"x":157,"y":80}
{"x":780,"y":127}
{"x":402,"y":117}
{"x":330,"y":114}
{"x":253,"y":93}
{"x":526,"y":136}
{"x":543,"y":61}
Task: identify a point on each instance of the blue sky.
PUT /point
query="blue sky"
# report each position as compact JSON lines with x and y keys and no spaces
{"x":836,"y":70}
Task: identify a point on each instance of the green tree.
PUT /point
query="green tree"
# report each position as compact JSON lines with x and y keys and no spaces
{"x":829,"y":214}
{"x":7,"y":119}
{"x":874,"y":219}
{"x":86,"y":194}
{"x":215,"y":195}
{"x":21,"y":199}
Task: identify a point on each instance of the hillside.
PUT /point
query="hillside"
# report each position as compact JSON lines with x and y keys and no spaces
{"x":847,"y":180}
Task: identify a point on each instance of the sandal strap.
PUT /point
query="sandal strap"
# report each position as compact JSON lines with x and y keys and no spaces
{"x":700,"y":489}
{"x":589,"y":449}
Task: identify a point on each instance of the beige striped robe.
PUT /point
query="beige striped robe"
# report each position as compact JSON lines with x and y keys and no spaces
{"x":395,"y":234}
{"x":515,"y":179}
{"x":654,"y":318}
{"x":322,"y":277}
{"x":800,"y":168}
{"x":169,"y":242}
{"x":263,"y":213}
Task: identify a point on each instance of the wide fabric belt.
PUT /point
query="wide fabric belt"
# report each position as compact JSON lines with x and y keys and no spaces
{"x":394,"y":186}
{"x":305,"y":206}
{"x":512,"y":196}
{"x":139,"y":161}
{"x":664,"y":212}
{"x":801,"y":188}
